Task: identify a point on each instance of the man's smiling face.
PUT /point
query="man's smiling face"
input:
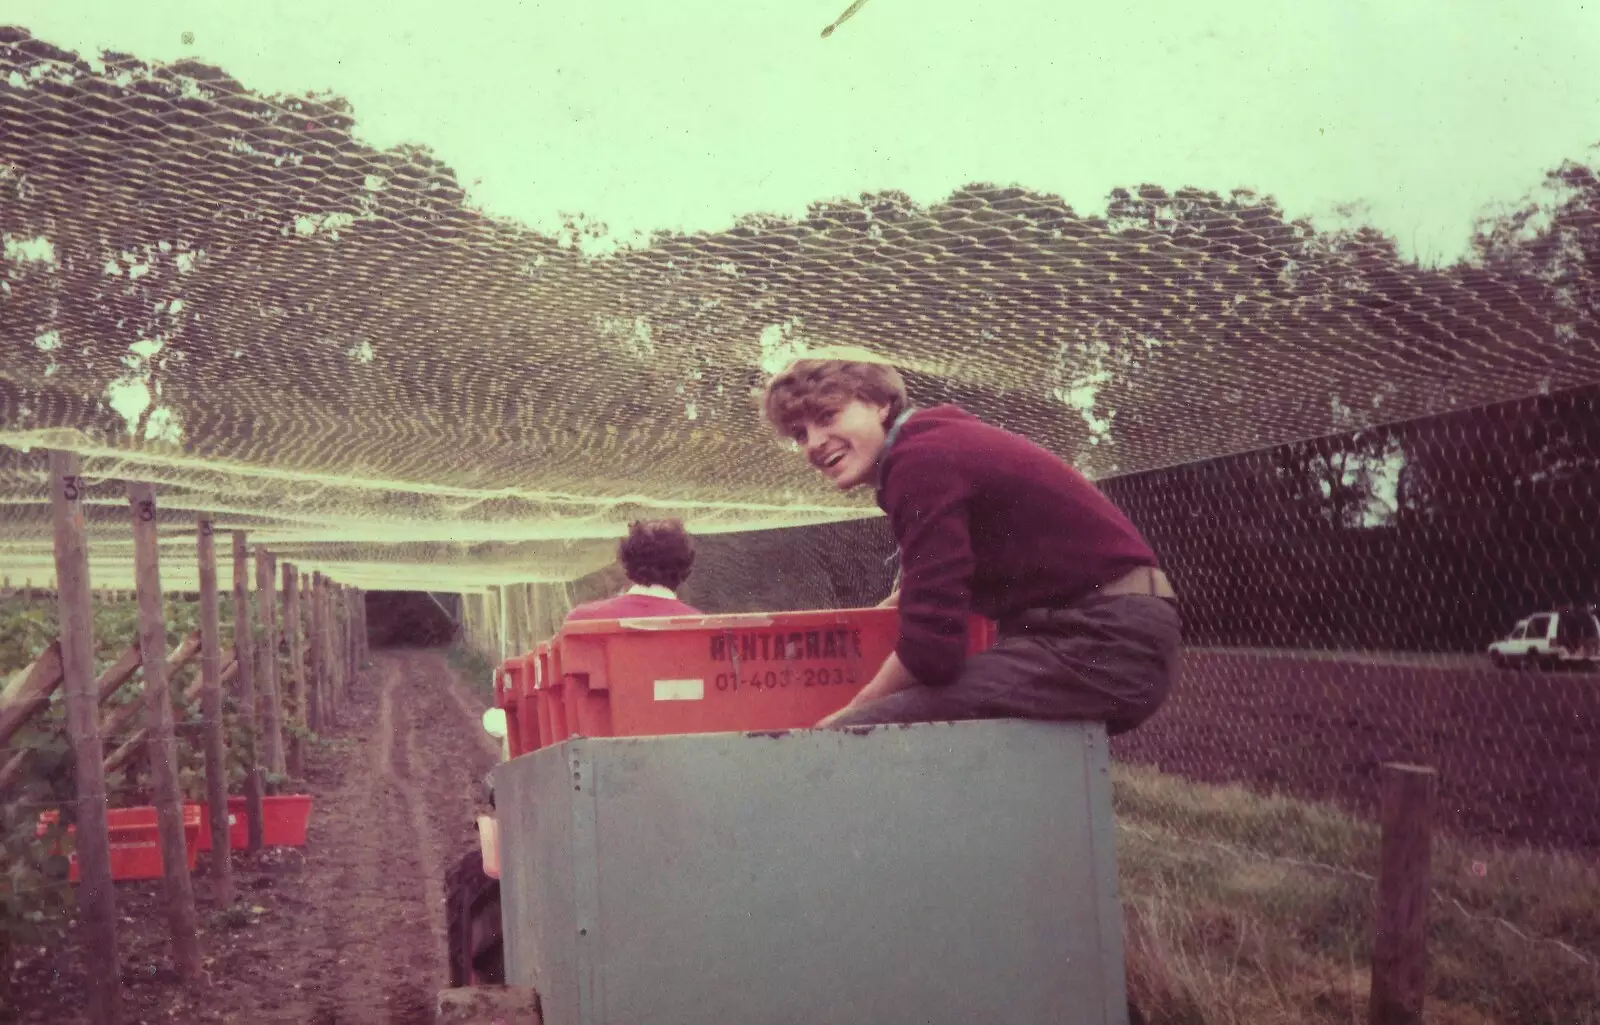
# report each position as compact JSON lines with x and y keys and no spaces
{"x":844,"y":443}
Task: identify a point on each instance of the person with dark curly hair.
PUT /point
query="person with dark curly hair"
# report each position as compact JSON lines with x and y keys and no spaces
{"x":657,"y":556}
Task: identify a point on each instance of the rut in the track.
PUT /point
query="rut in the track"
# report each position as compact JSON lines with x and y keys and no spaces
{"x":400,"y":815}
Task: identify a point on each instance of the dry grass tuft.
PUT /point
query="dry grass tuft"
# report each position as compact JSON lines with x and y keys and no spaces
{"x":1244,"y":909}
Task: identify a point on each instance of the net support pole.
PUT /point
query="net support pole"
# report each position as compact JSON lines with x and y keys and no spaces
{"x":211,"y":711}
{"x":500,"y":595}
{"x":1400,"y":947}
{"x":318,"y":706}
{"x":96,"y":898}
{"x":336,"y":662}
{"x":330,"y":671}
{"x":160,"y":744}
{"x":271,"y":699}
{"x":330,"y":610}
{"x":296,"y":684}
{"x":244,"y":652}
{"x":355,"y":632}
{"x":351,"y":666}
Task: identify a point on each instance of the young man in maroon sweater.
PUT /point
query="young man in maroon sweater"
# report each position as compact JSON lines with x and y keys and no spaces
{"x":986,"y":522}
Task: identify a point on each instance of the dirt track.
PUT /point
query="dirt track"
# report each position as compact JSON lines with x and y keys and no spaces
{"x":349,"y":930}
{"x":400,"y":813}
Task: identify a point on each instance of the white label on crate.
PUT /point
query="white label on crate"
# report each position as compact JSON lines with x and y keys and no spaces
{"x":680,"y":690}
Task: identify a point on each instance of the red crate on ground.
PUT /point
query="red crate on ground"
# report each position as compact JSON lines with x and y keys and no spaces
{"x":283,"y":822}
{"x":707,"y":674}
{"x":135,"y":841}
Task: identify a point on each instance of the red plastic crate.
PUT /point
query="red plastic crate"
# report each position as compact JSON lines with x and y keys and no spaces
{"x":521,"y":720}
{"x":283,"y":822}
{"x":135,"y":841}
{"x":508,"y":699}
{"x":706,"y":674}
{"x":520,"y":682}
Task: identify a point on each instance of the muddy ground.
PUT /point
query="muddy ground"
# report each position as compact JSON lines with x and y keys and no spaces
{"x":348,"y":930}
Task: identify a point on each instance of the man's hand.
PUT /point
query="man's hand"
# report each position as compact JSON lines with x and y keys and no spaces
{"x":891,"y":602}
{"x":829,"y":720}
{"x":892,"y":677}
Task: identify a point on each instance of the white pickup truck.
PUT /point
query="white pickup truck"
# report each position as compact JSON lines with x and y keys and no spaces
{"x":1564,"y":638}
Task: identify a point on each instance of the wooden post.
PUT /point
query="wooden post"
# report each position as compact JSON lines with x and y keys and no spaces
{"x":361,"y":627}
{"x":1400,"y":948}
{"x":297,"y":664}
{"x":340,"y":656}
{"x":182,"y":921}
{"x":308,"y":598}
{"x":341,"y":659}
{"x":244,"y":653}
{"x":267,"y":658}
{"x":96,"y":898}
{"x":355,"y":627}
{"x":500,"y":617}
{"x":351,"y":644}
{"x":324,"y":677}
{"x":211,"y":715}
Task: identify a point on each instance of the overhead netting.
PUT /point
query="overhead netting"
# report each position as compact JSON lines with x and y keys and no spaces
{"x":230,"y":296}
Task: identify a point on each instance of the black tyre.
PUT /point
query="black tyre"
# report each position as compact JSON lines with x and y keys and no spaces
{"x":472,"y":900}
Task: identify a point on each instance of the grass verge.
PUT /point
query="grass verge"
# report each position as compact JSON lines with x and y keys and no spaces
{"x":1243,"y":908}
{"x":475,"y":668}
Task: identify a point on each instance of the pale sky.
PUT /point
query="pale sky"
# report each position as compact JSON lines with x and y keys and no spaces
{"x":686,"y":114}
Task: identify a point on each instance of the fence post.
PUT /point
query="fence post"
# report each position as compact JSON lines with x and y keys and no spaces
{"x":297,"y":664}
{"x":96,"y":898}
{"x":324,"y":648}
{"x":211,"y":713}
{"x":340,"y":609}
{"x":160,"y":745}
{"x":341,"y":639}
{"x":330,"y":665}
{"x":267,"y":656}
{"x":362,"y":647}
{"x":315,"y":707}
{"x":1400,"y":947}
{"x":352,"y":645}
{"x":244,"y":652}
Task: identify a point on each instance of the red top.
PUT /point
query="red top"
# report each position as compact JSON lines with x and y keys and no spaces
{"x":988,"y":521}
{"x":631,"y":606}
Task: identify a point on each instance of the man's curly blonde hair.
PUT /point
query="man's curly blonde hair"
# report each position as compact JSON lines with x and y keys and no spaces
{"x":822,"y":381}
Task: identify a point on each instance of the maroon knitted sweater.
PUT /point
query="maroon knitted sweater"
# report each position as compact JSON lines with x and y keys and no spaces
{"x":992,"y":523}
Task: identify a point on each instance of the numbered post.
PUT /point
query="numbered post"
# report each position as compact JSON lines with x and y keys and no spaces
{"x":96,"y":897}
{"x":160,"y":745}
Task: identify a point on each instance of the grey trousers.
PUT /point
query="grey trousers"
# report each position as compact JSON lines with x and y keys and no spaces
{"x":1106,"y":659}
